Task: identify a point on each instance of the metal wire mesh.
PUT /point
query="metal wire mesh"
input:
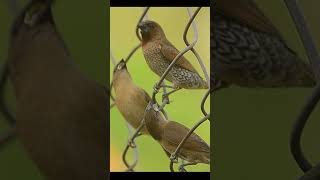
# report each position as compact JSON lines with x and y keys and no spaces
{"x":189,"y":47}
{"x":314,"y":59}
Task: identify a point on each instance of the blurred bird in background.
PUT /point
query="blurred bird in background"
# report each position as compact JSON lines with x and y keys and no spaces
{"x":248,"y":51}
{"x":159,"y":52}
{"x":61,"y":114}
{"x":132,"y":102}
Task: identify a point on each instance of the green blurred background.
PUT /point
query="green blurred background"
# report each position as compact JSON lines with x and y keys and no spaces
{"x":185,"y":107}
{"x":83,"y":25}
{"x":252,"y":126}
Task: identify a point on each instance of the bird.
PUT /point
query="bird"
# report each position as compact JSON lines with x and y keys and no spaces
{"x":61,"y":114}
{"x":170,"y":134}
{"x":133,"y":103}
{"x":159,"y":52}
{"x":130,"y":99}
{"x":248,"y":51}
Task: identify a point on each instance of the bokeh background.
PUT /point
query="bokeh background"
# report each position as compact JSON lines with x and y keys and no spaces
{"x":252,"y":126}
{"x":83,"y":25}
{"x":185,"y":107}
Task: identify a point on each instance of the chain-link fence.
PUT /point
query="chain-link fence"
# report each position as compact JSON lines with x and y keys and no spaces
{"x":158,"y":85}
{"x":311,"y":172}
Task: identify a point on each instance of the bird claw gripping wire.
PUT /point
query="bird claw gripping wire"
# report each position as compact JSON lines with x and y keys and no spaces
{"x":156,"y":89}
{"x":156,"y":108}
{"x":182,"y":169}
{"x":132,"y":144}
{"x":174,"y":158}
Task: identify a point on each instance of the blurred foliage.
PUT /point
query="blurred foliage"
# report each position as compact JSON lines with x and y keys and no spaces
{"x":83,"y":27}
{"x":253,"y":126}
{"x":185,"y":107}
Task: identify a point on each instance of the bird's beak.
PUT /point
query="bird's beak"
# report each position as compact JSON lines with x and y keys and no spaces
{"x":142,"y":27}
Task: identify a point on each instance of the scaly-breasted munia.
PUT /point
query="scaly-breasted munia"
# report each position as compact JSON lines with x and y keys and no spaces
{"x":159,"y":53}
{"x":248,"y":51}
{"x":132,"y":102}
{"x":61,"y":114}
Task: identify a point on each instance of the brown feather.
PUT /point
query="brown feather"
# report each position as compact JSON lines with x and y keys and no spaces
{"x":178,"y":131}
{"x":170,"y":52}
{"x":246,"y":12}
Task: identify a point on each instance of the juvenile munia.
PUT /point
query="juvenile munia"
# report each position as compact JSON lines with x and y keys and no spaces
{"x":159,"y":52}
{"x":248,"y":51}
{"x":130,"y":99}
{"x":170,"y":133}
{"x":61,"y":114}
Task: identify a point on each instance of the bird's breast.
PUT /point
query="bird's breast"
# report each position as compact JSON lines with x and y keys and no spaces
{"x":132,"y":106}
{"x":154,"y":58}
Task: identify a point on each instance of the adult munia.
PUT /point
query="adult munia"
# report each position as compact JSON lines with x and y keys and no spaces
{"x":248,"y":51}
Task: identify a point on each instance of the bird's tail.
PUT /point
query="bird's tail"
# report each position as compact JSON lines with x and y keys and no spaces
{"x":301,"y":76}
{"x":204,"y":85}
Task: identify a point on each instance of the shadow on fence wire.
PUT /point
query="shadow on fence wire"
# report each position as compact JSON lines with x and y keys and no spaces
{"x":131,"y":142}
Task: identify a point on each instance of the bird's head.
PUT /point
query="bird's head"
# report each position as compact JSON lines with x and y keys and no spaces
{"x":33,"y":14}
{"x":150,"y":30}
{"x":37,"y":11}
{"x":120,"y":72}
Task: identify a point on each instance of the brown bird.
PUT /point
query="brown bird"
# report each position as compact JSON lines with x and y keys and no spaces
{"x":132,"y":102}
{"x":61,"y":114}
{"x":248,"y":51}
{"x":159,"y":53}
{"x":170,"y":133}
{"x":130,"y":99}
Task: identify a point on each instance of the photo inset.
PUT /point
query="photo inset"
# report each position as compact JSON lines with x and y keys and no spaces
{"x":160,"y":104}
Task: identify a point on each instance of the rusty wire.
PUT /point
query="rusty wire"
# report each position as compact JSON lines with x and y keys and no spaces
{"x":160,"y":84}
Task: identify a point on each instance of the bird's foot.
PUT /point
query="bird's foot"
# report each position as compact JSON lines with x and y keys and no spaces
{"x":139,"y":134}
{"x":156,"y":107}
{"x":181,"y":167}
{"x":132,"y":144}
{"x":165,"y":96}
{"x":156,"y":88}
{"x":174,"y":158}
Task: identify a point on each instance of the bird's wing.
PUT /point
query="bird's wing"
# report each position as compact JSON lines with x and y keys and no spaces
{"x":174,"y":133}
{"x":170,"y":52}
{"x":247,"y":12}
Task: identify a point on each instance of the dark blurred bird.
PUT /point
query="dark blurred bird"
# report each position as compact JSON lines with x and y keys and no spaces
{"x":132,"y":102}
{"x":159,"y":53}
{"x":61,"y":114}
{"x":248,"y":51}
